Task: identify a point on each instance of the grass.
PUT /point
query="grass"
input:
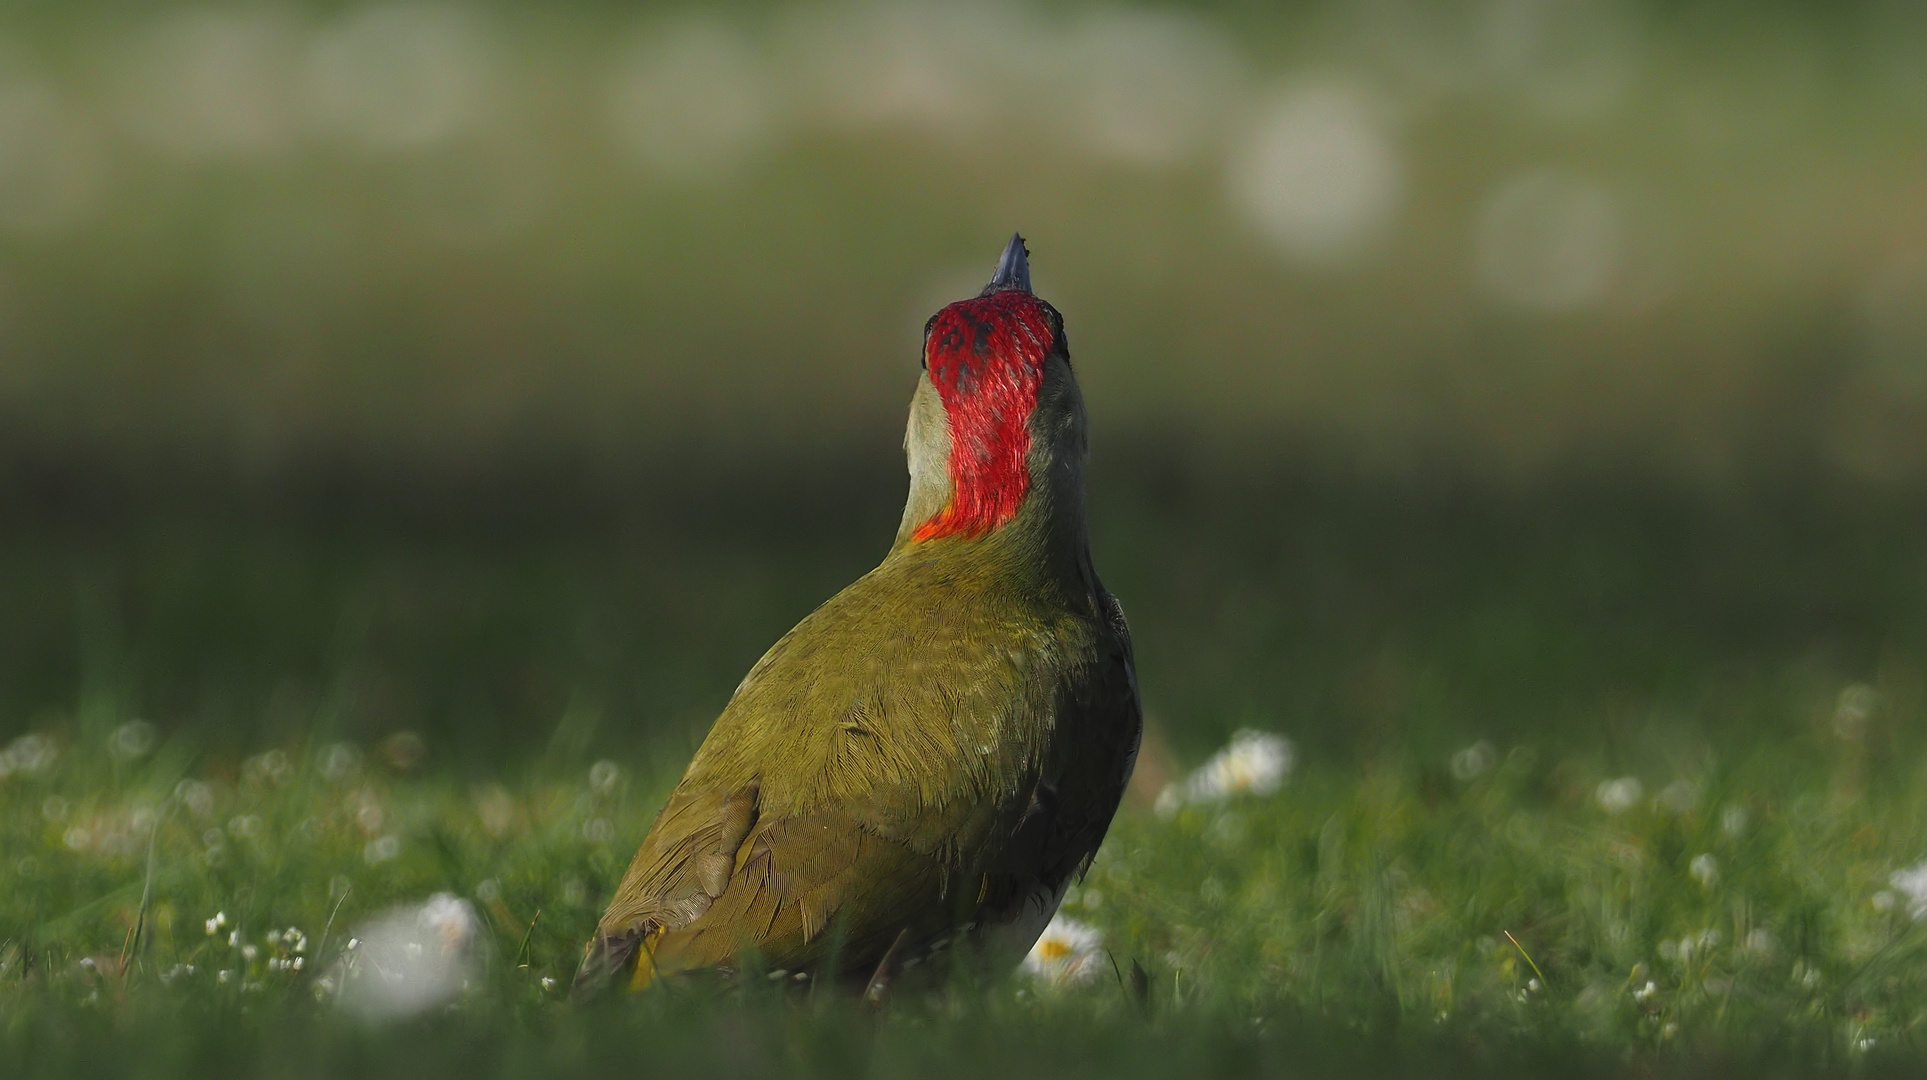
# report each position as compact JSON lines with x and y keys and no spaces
{"x":1496,"y":912}
{"x":1457,"y":879}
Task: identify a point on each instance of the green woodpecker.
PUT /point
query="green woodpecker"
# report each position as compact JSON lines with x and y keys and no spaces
{"x":931,"y":757}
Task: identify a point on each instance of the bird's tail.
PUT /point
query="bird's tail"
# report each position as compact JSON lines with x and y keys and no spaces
{"x":611,"y":955}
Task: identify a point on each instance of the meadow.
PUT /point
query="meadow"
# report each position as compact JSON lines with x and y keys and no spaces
{"x":1597,"y":786}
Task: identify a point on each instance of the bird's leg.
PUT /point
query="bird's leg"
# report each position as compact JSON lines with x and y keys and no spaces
{"x":885,"y":971}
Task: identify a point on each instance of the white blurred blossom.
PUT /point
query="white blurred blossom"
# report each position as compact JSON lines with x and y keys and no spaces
{"x":1320,"y":173}
{"x":1911,"y":883}
{"x":1618,"y":796}
{"x":1065,"y":954}
{"x":1733,"y":820}
{"x":197,"y":796}
{"x":341,"y":761}
{"x":1474,"y":761}
{"x":604,"y":775}
{"x":1255,"y":763}
{"x":381,"y":849}
{"x":1704,"y":869}
{"x":29,"y":755}
{"x":1680,"y":796}
{"x":131,"y":740}
{"x":411,"y":959}
{"x":1852,"y":711}
{"x":272,"y":767}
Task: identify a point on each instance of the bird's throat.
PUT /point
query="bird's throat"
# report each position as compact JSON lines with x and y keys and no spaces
{"x":989,"y":478}
{"x":986,"y":360}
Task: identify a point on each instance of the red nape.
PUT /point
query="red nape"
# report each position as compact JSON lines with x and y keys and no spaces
{"x":986,"y":359}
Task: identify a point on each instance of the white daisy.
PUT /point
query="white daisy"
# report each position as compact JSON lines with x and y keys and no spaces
{"x":412,"y":958}
{"x":1066,"y":953}
{"x":1912,"y":884}
{"x":1255,"y":763}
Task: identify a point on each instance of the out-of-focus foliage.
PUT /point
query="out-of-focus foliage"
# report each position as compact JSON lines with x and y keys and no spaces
{"x":1515,"y":230}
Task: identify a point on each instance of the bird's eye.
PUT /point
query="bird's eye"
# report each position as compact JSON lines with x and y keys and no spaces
{"x":923,"y":356}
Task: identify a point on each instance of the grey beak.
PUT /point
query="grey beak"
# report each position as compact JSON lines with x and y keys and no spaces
{"x":1013,"y":270}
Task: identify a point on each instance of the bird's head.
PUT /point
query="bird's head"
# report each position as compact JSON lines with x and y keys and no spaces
{"x":997,"y":424}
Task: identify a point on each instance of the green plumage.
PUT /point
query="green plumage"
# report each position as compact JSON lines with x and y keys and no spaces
{"x":936,"y":750}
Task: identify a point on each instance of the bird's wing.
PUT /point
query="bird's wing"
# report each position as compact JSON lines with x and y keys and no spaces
{"x":683,"y":865}
{"x":685,"y":906}
{"x":801,"y":876}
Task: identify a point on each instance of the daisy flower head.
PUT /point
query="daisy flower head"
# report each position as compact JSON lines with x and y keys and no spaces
{"x":1912,"y":886}
{"x":1254,"y":763}
{"x":1066,"y":953}
{"x":412,"y":958}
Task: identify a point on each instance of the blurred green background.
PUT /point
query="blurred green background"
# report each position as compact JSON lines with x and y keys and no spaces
{"x":1529,"y":370}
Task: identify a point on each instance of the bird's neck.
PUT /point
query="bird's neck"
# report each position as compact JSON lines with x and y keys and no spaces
{"x":1013,"y":502}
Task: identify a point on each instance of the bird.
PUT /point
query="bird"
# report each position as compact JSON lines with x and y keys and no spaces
{"x":924,"y":764}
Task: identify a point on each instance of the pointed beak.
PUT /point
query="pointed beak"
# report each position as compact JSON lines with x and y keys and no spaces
{"x":1013,"y":270}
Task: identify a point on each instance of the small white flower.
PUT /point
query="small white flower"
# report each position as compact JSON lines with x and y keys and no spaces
{"x":1474,"y":761}
{"x":1644,"y":992}
{"x":412,"y":958}
{"x":341,"y":761}
{"x":1065,"y":953}
{"x":381,"y":849}
{"x":219,"y":920}
{"x":548,"y":983}
{"x":1733,"y":820}
{"x":234,"y":940}
{"x":1680,"y":796}
{"x":223,"y":975}
{"x":1705,"y":869}
{"x":28,"y":755}
{"x":1912,"y":883}
{"x":1618,"y":796}
{"x":249,"y":952}
{"x":1856,"y":706}
{"x":131,"y":740}
{"x":1255,"y":763}
{"x":603,"y":775}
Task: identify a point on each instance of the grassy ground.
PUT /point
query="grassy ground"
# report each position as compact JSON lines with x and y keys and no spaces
{"x":1607,"y":781}
{"x":1503,"y":909}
